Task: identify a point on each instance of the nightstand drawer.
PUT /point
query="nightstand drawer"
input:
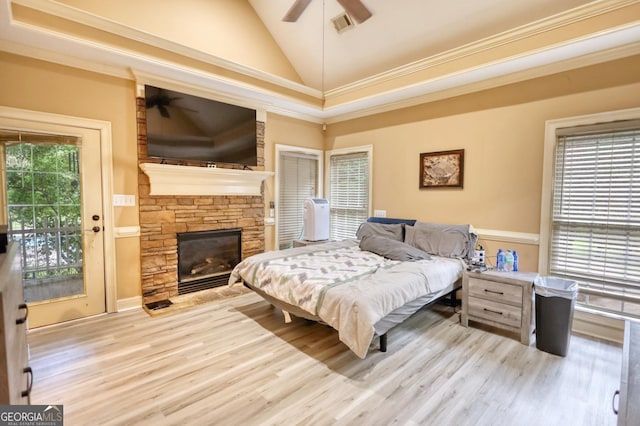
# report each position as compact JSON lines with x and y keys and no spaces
{"x":498,"y":312}
{"x":495,"y":291}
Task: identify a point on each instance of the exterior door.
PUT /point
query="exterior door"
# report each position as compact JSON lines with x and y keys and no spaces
{"x":54,"y":209}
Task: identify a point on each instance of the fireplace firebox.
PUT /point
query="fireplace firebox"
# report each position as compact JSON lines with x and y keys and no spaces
{"x":206,"y":258}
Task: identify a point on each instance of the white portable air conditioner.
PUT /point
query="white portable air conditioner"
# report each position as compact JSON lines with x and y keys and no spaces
{"x":316,"y":219}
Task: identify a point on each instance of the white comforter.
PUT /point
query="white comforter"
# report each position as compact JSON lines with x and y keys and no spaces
{"x":349,"y":289}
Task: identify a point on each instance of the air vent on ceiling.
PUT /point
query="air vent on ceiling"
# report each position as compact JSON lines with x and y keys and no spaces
{"x":342,"y":22}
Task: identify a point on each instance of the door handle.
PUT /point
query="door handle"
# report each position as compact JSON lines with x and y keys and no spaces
{"x":26,"y":314}
{"x":27,"y":393}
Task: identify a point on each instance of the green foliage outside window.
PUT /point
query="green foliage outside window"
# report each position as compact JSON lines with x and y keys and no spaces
{"x":43,"y":194}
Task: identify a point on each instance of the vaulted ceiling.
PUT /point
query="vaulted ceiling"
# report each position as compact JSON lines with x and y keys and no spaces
{"x":398,"y":33}
{"x":407,"y":52}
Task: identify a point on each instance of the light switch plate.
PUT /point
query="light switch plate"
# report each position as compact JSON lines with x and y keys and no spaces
{"x":380,"y":213}
{"x":124,"y":200}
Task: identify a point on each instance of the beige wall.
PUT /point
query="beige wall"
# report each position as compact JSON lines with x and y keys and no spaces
{"x":502,"y":133}
{"x":41,"y":86}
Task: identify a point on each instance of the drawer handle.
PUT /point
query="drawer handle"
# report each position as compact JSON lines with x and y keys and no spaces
{"x":26,"y":313}
{"x":613,"y":401}
{"x":493,"y":312}
{"x":494,"y":292}
{"x":27,"y":393}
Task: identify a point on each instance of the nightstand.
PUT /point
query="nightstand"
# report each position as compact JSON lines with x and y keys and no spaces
{"x":500,"y":299}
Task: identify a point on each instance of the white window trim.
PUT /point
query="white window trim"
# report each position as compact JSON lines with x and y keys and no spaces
{"x":362,"y":148}
{"x":550,"y":140}
{"x":319,"y":190}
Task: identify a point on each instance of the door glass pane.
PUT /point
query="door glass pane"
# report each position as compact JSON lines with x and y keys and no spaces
{"x":43,"y":194}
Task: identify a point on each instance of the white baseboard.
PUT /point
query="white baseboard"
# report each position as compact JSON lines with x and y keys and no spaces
{"x":129,"y":303}
{"x":598,"y":326}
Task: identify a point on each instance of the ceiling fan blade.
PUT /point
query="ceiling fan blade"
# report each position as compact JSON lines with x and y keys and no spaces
{"x":356,"y":9}
{"x":296,"y":10}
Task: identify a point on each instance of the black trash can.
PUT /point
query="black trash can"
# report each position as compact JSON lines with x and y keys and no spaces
{"x":555,"y":302}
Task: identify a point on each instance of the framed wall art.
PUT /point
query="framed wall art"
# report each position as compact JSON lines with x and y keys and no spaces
{"x":443,"y":169}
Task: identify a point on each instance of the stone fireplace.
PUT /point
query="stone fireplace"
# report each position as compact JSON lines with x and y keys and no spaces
{"x":206,"y":258}
{"x":163,"y":217}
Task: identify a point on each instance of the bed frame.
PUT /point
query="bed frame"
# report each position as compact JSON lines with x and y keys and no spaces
{"x":396,"y":317}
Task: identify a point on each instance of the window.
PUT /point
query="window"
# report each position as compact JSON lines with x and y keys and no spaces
{"x":349,"y":190}
{"x":44,"y":211}
{"x":595,"y":214}
{"x":298,"y":179}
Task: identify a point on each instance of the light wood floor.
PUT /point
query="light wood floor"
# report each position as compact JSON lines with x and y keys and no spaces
{"x":234,"y":362}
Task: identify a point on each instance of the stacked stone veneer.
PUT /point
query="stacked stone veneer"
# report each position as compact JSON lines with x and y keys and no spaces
{"x":163,"y":216}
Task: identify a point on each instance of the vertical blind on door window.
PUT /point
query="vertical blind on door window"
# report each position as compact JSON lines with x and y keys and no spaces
{"x":349,"y":193}
{"x":298,"y":179}
{"x":596,"y":211}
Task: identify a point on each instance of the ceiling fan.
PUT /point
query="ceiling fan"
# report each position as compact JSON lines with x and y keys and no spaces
{"x":163,"y":101}
{"x":355,"y":8}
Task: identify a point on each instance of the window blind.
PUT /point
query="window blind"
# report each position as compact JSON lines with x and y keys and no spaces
{"x":596,"y":215}
{"x":349,"y":192}
{"x":297,"y":181}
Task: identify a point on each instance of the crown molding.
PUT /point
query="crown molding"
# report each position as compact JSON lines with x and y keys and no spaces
{"x":40,"y":43}
{"x":63,"y":49}
{"x":85,"y":18}
{"x":204,"y":85}
{"x":476,"y":79}
{"x":62,"y":58}
{"x":507,"y":37}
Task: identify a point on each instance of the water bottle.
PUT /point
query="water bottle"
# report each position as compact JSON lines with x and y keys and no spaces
{"x":500,"y":261}
{"x":509,"y":260}
{"x":515,"y":261}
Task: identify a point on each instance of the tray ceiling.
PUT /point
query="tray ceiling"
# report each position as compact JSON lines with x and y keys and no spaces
{"x":408,"y":52}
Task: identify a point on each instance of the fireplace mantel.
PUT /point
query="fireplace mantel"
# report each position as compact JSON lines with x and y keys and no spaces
{"x":167,"y":179}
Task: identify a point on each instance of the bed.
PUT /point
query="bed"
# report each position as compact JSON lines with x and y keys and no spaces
{"x":366,"y":286}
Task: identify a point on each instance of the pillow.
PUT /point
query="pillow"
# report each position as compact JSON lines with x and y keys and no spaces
{"x":391,"y":249}
{"x":444,"y":240}
{"x":393,"y":231}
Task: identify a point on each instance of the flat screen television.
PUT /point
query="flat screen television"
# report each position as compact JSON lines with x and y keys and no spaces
{"x":182,"y":127}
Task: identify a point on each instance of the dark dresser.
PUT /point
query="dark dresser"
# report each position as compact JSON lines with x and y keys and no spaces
{"x":15,"y":374}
